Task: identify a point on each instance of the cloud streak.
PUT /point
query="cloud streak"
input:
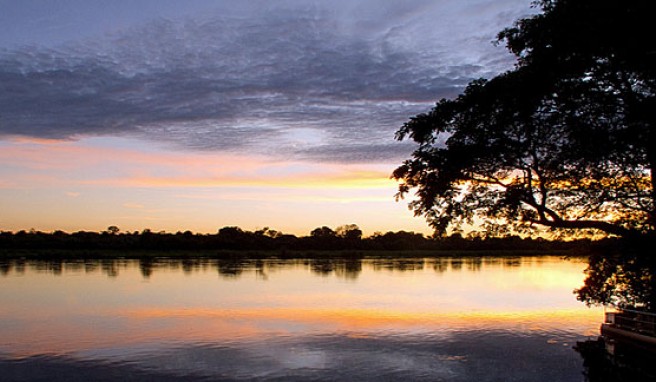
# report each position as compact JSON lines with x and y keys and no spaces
{"x":87,"y":163}
{"x":285,"y":79}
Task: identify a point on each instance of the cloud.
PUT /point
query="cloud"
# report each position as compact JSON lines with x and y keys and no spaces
{"x":293,"y":79}
{"x":75,"y":166}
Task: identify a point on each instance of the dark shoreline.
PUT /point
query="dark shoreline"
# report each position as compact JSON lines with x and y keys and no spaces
{"x":232,"y":242}
{"x":37,"y":254}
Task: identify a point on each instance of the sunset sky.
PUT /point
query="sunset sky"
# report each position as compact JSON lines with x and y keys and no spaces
{"x":198,"y":114}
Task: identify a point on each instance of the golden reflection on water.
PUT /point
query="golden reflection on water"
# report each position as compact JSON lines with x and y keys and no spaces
{"x":69,"y":307}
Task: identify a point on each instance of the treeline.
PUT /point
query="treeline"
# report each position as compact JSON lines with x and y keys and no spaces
{"x":347,"y":237}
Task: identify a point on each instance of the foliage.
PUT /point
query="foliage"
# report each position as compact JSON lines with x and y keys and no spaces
{"x":322,"y":232}
{"x":566,"y":140}
{"x":626,"y":280}
{"x":235,"y":239}
{"x":349,"y":232}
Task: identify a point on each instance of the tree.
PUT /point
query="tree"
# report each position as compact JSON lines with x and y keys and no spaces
{"x":349,"y":232}
{"x":112,"y":230}
{"x":322,"y":232}
{"x":565,"y":140}
{"x":268,"y":232}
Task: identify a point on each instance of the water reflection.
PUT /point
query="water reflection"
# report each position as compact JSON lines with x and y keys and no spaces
{"x":465,"y":357}
{"x":620,"y":280}
{"x":624,"y":363}
{"x":449,"y":318}
{"x":348,"y":268}
{"x":624,"y":280}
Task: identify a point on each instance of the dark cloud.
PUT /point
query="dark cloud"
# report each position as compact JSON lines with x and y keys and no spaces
{"x":291,"y":80}
{"x":352,"y":152}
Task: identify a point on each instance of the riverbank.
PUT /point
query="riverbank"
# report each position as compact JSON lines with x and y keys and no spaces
{"x":282,"y":254}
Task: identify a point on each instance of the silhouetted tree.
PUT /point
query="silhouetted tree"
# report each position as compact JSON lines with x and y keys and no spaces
{"x":233,"y":238}
{"x":112,"y":230}
{"x":401,"y":240}
{"x":566,"y":140}
{"x":266,"y":231}
{"x":349,"y":232}
{"x":322,"y":232}
{"x":347,"y":237}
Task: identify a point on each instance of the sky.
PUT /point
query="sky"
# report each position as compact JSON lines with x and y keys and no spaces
{"x":198,"y":114}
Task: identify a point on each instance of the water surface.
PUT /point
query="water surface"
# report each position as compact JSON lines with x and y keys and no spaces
{"x":446,"y":319}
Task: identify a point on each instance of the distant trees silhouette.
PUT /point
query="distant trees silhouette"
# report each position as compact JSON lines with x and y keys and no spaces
{"x":349,"y":232}
{"x":322,"y":232}
{"x":234,"y":239}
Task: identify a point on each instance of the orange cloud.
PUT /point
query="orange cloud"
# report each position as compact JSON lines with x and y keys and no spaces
{"x":86,"y":163}
{"x":353,"y":180}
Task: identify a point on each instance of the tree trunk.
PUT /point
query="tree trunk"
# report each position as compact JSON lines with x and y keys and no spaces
{"x":651,"y":157}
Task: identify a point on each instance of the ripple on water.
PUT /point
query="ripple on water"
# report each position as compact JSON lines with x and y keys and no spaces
{"x":459,"y":356}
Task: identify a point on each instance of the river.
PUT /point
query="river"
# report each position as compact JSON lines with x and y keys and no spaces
{"x":424,"y":319}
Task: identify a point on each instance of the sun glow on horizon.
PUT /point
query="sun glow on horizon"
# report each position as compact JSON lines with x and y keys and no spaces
{"x":91,"y":183}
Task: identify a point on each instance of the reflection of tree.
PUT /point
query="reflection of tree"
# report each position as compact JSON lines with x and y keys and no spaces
{"x":5,"y":267}
{"x":19,"y":266}
{"x":146,"y":267}
{"x":512,"y":262}
{"x":349,"y":268}
{"x":110,"y":267}
{"x":626,"y":365}
{"x":49,"y":266}
{"x":456,"y":264}
{"x":440,"y":265}
{"x":474,"y":264}
{"x":622,"y":280}
{"x":322,"y":267}
{"x":232,"y":267}
{"x":260,"y":270}
{"x":187,"y":265}
{"x":403,"y":265}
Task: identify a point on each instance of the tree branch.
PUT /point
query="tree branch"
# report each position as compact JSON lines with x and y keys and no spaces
{"x":586,"y":224}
